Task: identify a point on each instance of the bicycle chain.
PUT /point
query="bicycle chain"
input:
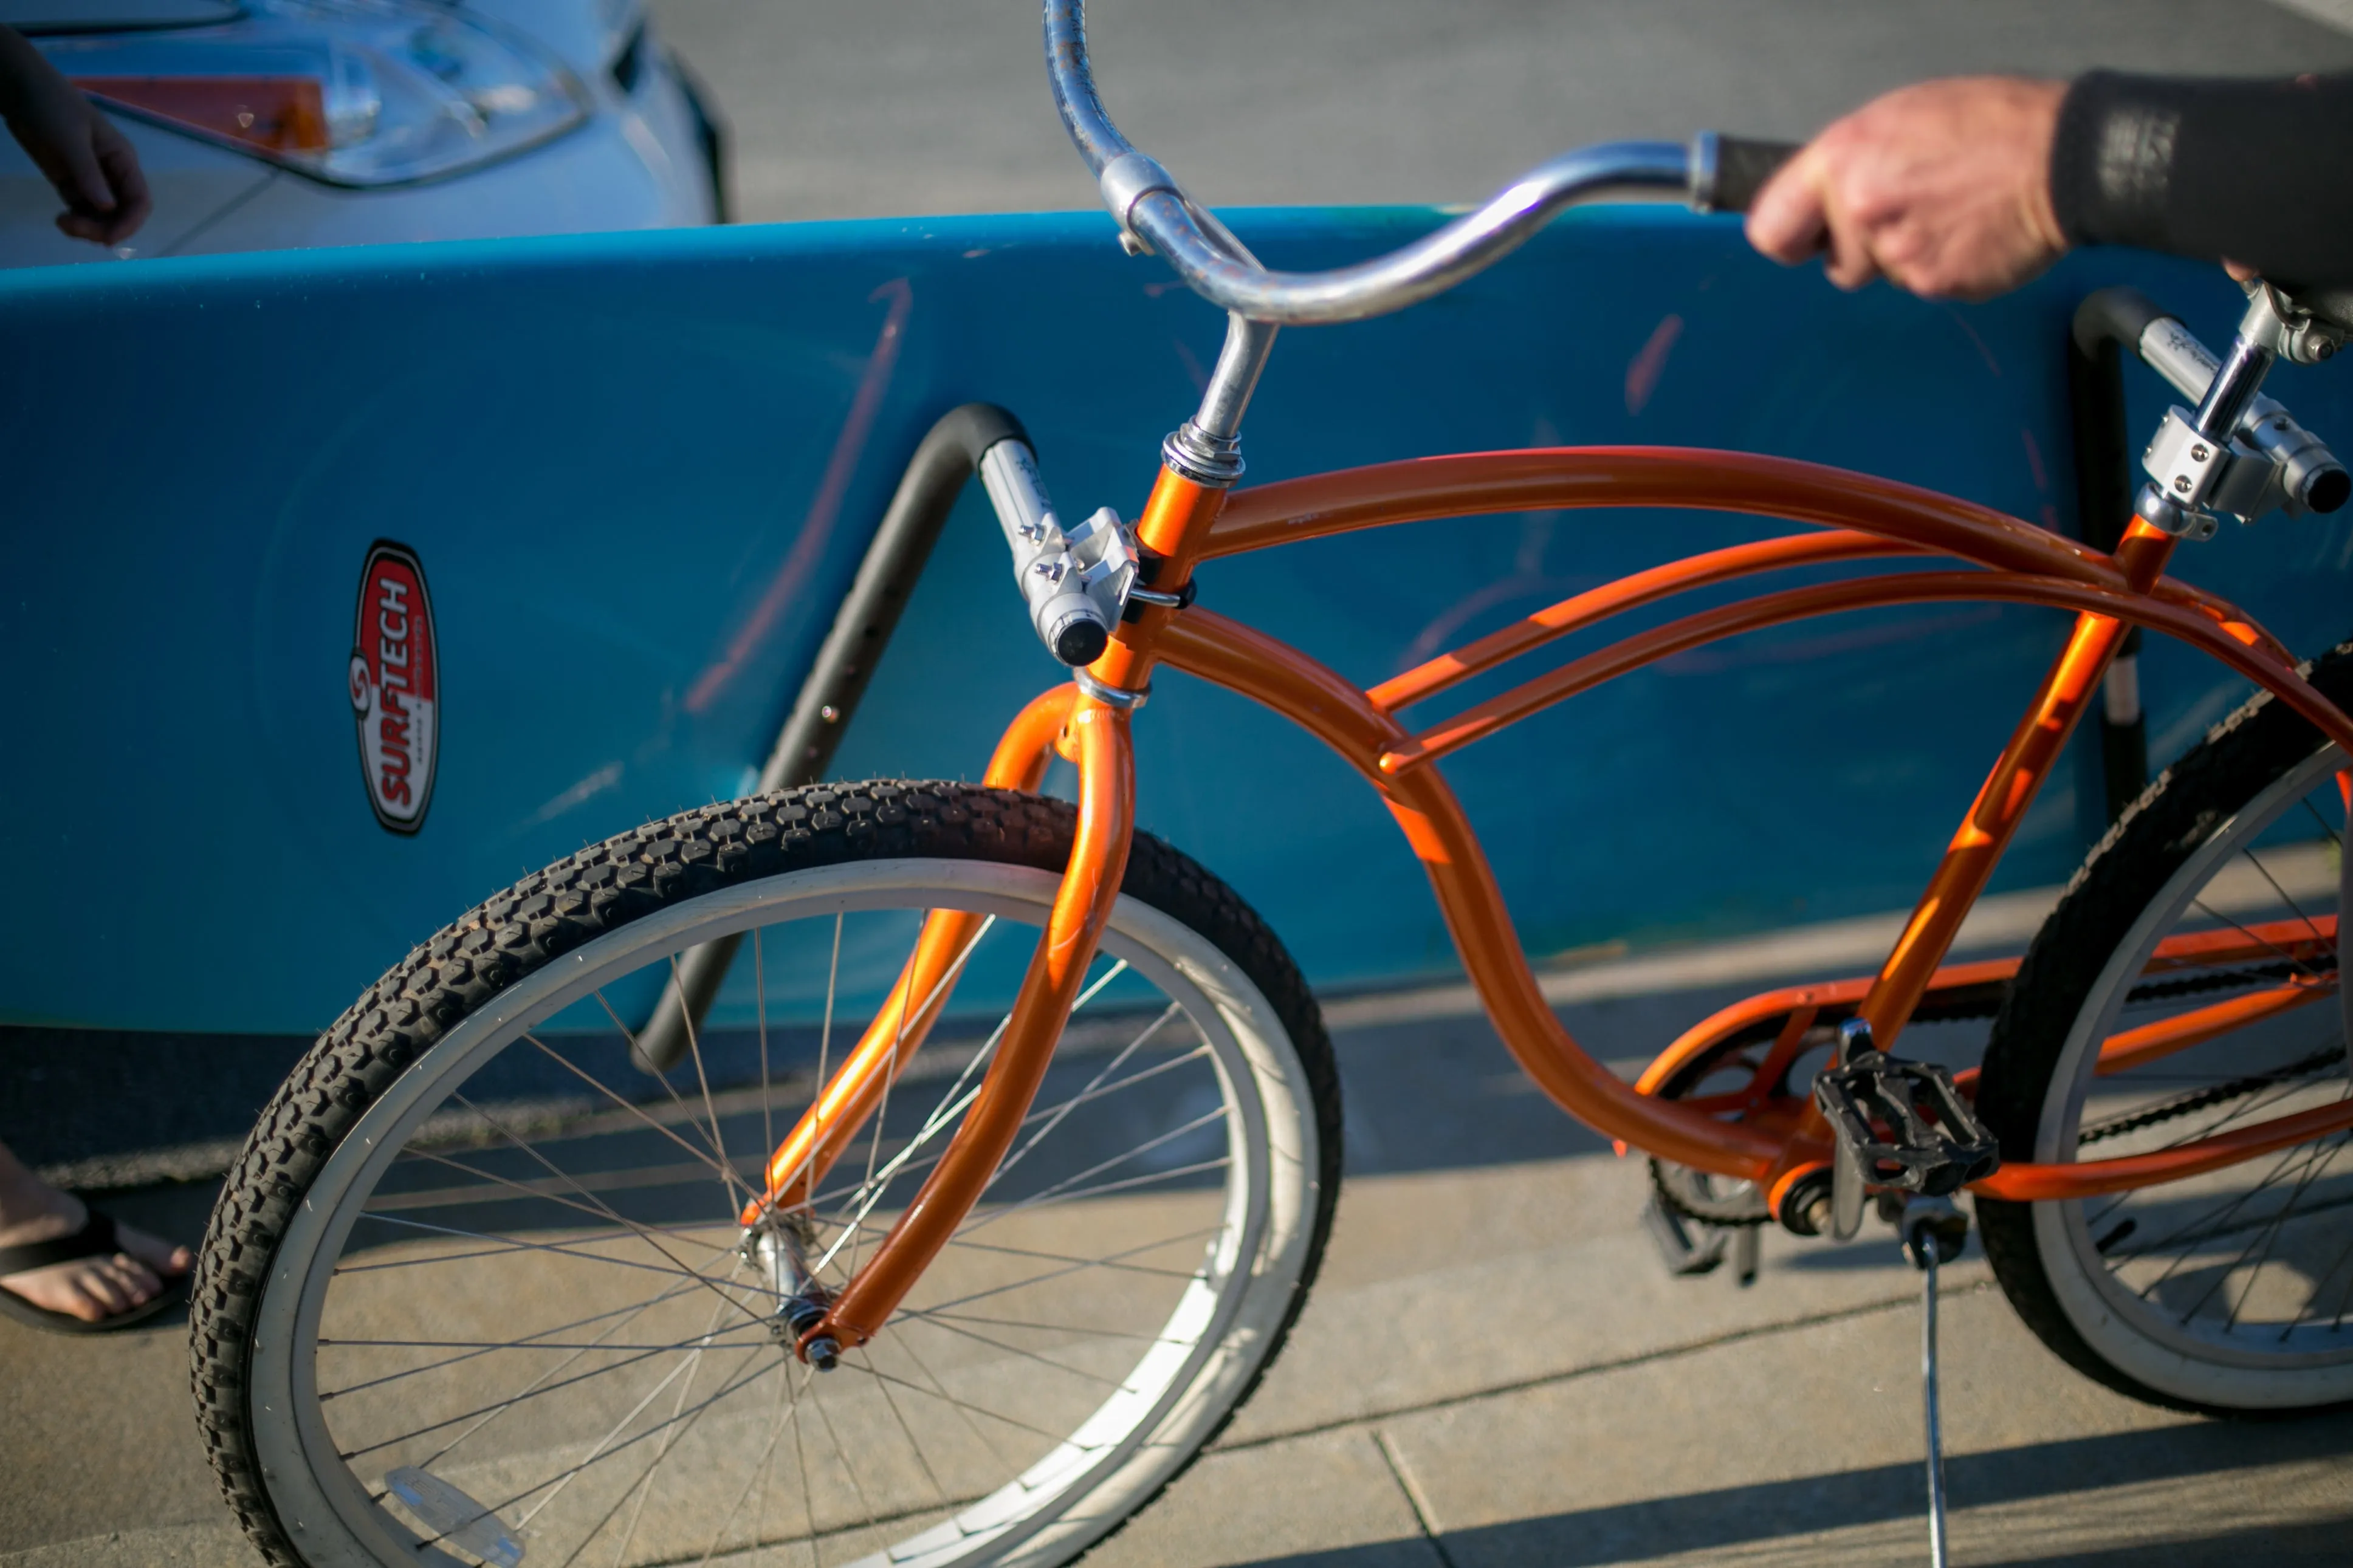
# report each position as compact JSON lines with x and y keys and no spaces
{"x":2215,"y":1094}
{"x":2223,"y":979}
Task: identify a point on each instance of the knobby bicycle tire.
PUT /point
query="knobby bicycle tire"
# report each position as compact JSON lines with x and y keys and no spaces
{"x":2161,"y":1294}
{"x":663,"y":869}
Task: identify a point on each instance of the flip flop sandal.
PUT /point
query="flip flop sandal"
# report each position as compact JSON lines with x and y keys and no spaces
{"x":96,"y":1238}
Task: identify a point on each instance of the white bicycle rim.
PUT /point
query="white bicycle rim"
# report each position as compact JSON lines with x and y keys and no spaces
{"x":2259,"y":1368}
{"x":1202,"y":1361}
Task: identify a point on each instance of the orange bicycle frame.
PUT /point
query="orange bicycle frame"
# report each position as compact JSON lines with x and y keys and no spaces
{"x":1992,"y":558}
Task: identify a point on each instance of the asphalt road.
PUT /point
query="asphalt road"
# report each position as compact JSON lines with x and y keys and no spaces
{"x":899,"y":107}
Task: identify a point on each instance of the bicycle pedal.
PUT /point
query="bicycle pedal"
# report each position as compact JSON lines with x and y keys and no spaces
{"x":1905,"y":1124}
{"x":1747,"y":1248}
{"x":1685,"y":1253}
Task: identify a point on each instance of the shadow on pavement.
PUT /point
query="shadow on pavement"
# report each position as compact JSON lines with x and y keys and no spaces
{"x":1737,"y":1516}
{"x":113,"y":1109}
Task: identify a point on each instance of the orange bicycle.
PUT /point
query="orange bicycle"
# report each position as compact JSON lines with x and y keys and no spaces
{"x":1045,"y":1139}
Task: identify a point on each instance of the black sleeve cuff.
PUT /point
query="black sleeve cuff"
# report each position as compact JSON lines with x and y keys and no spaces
{"x":2253,"y":171}
{"x":2112,"y":159}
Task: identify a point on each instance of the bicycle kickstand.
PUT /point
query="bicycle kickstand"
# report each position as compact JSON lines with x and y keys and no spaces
{"x":1932,"y":1145}
{"x":1934,"y":1231}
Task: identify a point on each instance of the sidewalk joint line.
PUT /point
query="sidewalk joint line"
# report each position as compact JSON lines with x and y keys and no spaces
{"x":1423,"y":1514}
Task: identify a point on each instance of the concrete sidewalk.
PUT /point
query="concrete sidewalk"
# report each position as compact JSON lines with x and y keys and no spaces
{"x":1608,"y":1415}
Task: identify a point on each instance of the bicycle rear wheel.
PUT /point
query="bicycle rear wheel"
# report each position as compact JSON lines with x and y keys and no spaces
{"x":2210,"y":911}
{"x":476,"y":1290}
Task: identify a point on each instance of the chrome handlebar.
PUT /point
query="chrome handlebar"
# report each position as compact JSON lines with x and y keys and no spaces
{"x":1154,"y":212}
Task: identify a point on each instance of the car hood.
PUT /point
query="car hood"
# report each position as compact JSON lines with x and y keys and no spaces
{"x":103,"y":16}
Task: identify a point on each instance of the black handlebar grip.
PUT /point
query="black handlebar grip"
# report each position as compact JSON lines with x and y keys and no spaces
{"x":1727,"y":172}
{"x":2118,"y":315}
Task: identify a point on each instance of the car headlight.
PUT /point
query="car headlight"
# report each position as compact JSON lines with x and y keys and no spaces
{"x":353,"y":92}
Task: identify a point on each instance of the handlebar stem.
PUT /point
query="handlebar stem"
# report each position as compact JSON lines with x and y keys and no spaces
{"x":1075,"y":581}
{"x":2235,"y":387}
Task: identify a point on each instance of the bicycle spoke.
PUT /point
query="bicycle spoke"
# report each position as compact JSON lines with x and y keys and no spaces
{"x":951,"y":1105}
{"x":891,"y":1399}
{"x":1054,"y":1274}
{"x":475,"y":1348}
{"x":2293,"y":908}
{"x":865,"y":1507}
{"x":1034,"y":1254}
{"x":789,"y":1409}
{"x":877,"y":1373}
{"x":690,"y":1417}
{"x":2263,"y":1232}
{"x":899,"y":1040}
{"x":630,"y":1106}
{"x":598,"y":1208}
{"x":510,"y":1244}
{"x":1044,"y":1328}
{"x":1096,"y":1093}
{"x":800,"y":1459}
{"x":708,"y":1132}
{"x":701,"y":1079}
{"x":530,"y":1392}
{"x":438,"y":1259}
{"x":643,"y":1487}
{"x":1015,"y":1350}
{"x":890,"y":1078}
{"x":760,"y":1007}
{"x":917,"y":1167}
{"x":1085,"y":1094}
{"x":2294,"y":963}
{"x":601,"y":1453}
{"x":824,"y":1045}
{"x":876,"y":1186}
{"x":906,"y":1347}
{"x":629,"y":1038}
{"x":961,"y":1241}
{"x":2271,"y":1231}
{"x":855,"y":1226}
{"x":1146,"y":1147}
{"x":1103,"y":1189}
{"x":2215,"y":1224}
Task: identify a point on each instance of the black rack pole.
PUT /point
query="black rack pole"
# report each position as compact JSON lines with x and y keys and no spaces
{"x":2104,"y":507}
{"x":948,"y":456}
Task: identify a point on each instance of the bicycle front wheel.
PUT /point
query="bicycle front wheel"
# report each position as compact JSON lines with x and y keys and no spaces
{"x":2198,"y":948}
{"x":477,"y":1291}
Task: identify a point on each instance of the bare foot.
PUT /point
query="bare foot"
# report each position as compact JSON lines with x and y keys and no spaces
{"x":90,"y":1289}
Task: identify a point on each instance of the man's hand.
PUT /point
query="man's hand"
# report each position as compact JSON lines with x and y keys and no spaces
{"x":1943,"y":187}
{"x":90,"y":162}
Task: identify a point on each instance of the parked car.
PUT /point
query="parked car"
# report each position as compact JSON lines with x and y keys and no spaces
{"x":267,"y":124}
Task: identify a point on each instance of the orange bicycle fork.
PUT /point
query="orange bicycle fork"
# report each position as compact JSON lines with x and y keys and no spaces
{"x":1093,"y":732}
{"x":1095,"y":736}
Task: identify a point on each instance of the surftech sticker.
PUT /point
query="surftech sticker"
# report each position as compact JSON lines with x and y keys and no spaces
{"x":396,"y":680}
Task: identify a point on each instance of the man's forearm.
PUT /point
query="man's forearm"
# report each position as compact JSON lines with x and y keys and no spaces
{"x":2259,"y":173}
